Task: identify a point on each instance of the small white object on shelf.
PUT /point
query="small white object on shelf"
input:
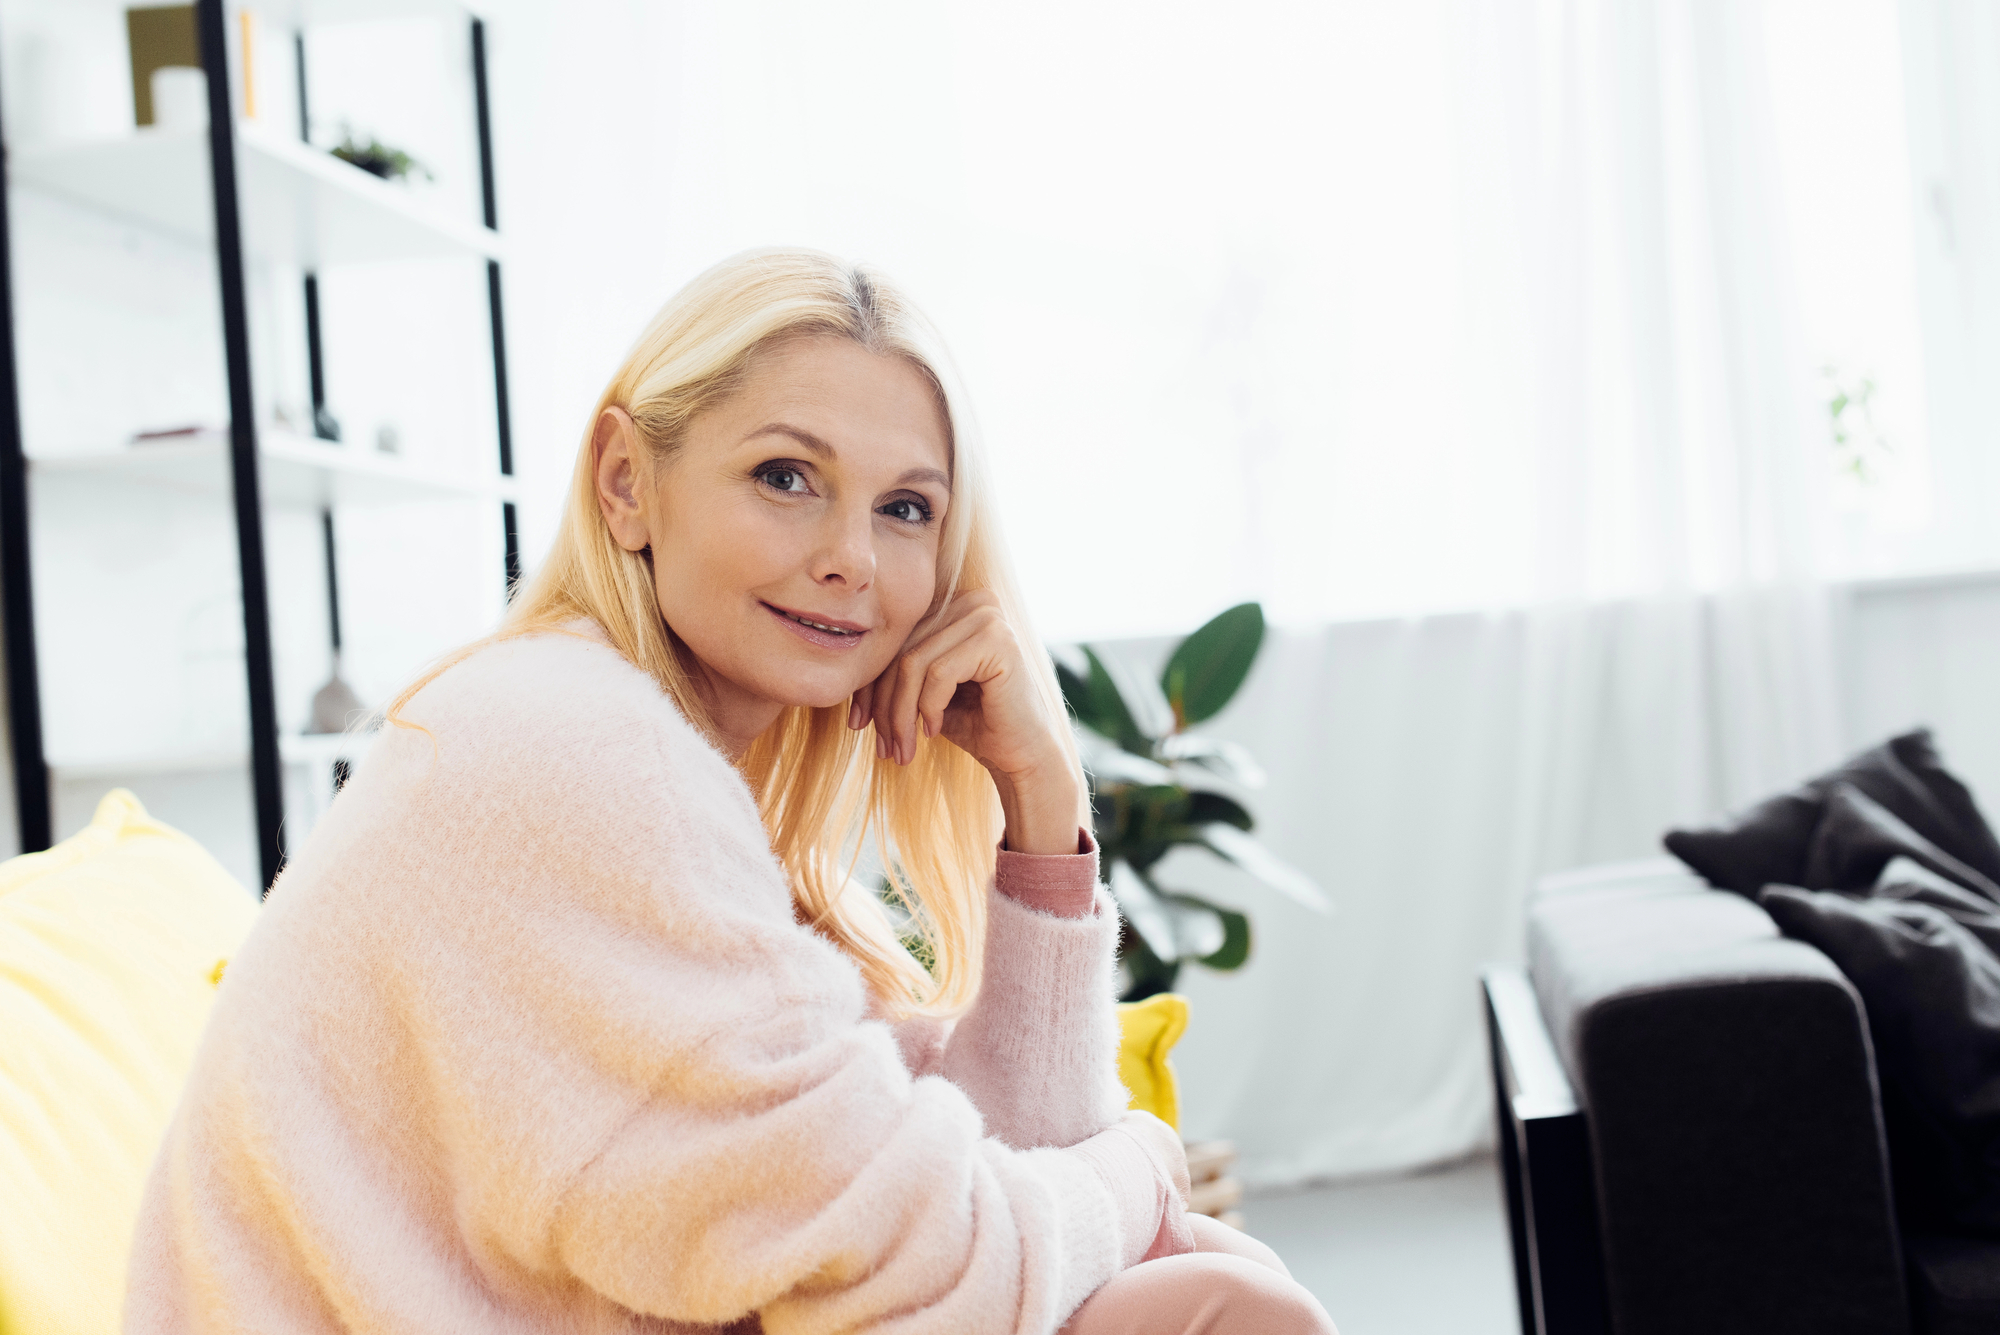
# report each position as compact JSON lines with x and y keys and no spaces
{"x":294,"y":471}
{"x":300,"y":205}
{"x":180,"y":98}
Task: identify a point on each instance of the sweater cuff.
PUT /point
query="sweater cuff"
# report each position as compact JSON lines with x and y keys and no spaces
{"x":1062,"y":884}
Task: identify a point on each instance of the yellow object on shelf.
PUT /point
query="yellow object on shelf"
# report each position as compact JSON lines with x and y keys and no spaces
{"x":159,"y":37}
{"x":112,"y":945}
{"x":1148,"y":1031}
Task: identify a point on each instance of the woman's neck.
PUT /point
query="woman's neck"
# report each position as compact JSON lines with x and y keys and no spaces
{"x":736,"y":718}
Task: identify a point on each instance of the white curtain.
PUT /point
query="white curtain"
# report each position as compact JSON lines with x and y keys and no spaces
{"x":1676,"y":654}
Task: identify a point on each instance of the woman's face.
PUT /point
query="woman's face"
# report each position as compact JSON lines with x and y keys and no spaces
{"x":795,"y":532}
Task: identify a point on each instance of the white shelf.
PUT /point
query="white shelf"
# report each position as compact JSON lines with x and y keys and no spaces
{"x":293,"y":472}
{"x":299,"y":204}
{"x":306,"y":13}
{"x":319,"y":749}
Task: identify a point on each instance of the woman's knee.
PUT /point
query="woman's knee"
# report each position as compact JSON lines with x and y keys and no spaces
{"x":1203,"y":1293}
{"x":1213,"y":1236}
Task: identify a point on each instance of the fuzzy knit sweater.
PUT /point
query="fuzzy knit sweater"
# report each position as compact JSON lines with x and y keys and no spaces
{"x":528,"y":1039}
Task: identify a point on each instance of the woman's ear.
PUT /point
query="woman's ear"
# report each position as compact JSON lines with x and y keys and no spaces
{"x":616,"y":444}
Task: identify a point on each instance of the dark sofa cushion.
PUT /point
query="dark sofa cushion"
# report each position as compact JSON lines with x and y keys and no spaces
{"x":1904,"y":879}
{"x":1857,"y":837}
{"x":1972,"y":840}
{"x":1768,"y":844}
{"x":1954,"y":1284}
{"x":1932,"y":992}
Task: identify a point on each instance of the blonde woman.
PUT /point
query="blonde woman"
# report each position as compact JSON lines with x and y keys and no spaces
{"x":571,"y":1016}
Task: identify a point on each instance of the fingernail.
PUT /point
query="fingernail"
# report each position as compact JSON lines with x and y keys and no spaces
{"x":881,"y":747}
{"x":853,"y":715}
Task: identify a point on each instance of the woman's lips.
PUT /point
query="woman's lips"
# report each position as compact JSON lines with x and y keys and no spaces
{"x":841,"y":635}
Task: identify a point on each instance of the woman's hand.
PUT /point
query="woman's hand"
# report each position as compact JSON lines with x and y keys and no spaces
{"x":969,"y":680}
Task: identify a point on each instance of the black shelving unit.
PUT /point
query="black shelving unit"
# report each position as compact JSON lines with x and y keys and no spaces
{"x":245,"y":457}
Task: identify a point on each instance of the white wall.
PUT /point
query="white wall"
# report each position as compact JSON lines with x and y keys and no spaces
{"x":1928,"y":651}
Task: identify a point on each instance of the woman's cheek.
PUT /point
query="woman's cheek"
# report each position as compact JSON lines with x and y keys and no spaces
{"x":906,"y":581}
{"x":757,"y":544}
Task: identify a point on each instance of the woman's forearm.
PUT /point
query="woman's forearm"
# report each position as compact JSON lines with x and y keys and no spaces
{"x":1041,"y":807}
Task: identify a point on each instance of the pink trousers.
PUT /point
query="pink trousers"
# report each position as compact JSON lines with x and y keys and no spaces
{"x":1231,"y":1284}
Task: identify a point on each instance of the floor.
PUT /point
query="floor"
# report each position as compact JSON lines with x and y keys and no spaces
{"x":1422,"y":1255}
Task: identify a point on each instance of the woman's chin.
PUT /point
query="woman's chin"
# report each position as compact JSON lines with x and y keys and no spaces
{"x":816,"y":694}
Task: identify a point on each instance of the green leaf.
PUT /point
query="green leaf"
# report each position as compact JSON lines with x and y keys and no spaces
{"x":1152,"y":716}
{"x":1147,"y":973}
{"x":1143,"y":909}
{"x":1228,"y":759}
{"x":1266,"y":866}
{"x":1075,"y":691}
{"x":1198,"y":928}
{"x":1235,"y":949}
{"x":1111,"y":766}
{"x":1210,"y":665}
{"x":1111,"y":715}
{"x":1204,"y":807}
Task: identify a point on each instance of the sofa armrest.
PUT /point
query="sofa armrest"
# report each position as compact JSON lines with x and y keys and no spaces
{"x":1545,"y":1166}
{"x":1736,"y":1129}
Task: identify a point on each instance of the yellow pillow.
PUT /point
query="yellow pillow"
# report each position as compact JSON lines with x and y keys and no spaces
{"x":111,"y":945}
{"x":1148,"y":1031}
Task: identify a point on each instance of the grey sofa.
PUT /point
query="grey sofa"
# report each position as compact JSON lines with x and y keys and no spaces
{"x":1691,"y":1129}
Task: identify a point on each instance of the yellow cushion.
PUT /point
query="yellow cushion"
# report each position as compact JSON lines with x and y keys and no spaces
{"x":111,"y":945}
{"x":1148,"y":1031}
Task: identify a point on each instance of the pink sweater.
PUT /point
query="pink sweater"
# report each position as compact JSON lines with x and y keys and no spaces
{"x":528,"y":1039}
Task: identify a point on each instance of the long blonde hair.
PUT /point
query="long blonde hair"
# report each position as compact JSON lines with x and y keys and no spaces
{"x":824,"y":796}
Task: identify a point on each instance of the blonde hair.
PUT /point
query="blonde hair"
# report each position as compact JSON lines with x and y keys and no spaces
{"x":823,"y":794}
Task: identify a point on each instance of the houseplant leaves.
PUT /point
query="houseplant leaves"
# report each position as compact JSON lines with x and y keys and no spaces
{"x":1209,"y":666}
{"x":1150,"y":794}
{"x":1233,"y":844}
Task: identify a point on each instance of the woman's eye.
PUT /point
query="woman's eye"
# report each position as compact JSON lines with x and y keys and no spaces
{"x":783,"y":479}
{"x":909,"y":511}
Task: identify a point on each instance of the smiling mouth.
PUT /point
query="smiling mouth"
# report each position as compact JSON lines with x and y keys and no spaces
{"x":842,"y":628}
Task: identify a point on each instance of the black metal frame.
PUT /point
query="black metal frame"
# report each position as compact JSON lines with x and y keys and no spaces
{"x":17,"y":593}
{"x":266,"y":773}
{"x":1546,"y":1162}
{"x":509,"y":520}
{"x":31,"y":776}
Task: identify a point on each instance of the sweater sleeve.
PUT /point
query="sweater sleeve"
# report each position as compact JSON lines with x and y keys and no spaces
{"x":1038,"y":1050}
{"x":1062,"y":884}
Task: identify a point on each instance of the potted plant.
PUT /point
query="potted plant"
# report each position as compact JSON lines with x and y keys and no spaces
{"x":378,"y":159}
{"x":1155,"y":786}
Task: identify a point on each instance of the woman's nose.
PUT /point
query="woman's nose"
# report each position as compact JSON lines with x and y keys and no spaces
{"x":847,"y":556}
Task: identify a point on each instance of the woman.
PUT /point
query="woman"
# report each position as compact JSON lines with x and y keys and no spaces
{"x":570,"y":1017}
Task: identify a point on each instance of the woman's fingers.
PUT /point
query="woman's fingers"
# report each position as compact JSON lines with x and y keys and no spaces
{"x":918,"y":668}
{"x":972,"y":660}
{"x":873,"y":700}
{"x":863,"y":708}
{"x":909,"y":698}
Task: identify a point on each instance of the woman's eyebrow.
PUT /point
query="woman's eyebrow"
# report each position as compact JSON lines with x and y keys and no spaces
{"x":826,"y":451}
{"x":800,"y":434}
